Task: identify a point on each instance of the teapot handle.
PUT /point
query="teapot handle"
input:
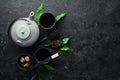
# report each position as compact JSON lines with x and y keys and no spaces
{"x":31,"y":15}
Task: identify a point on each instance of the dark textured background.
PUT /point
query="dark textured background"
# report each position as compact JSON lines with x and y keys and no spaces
{"x":95,"y":27}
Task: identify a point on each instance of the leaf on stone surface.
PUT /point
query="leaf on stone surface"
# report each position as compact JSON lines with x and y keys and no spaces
{"x":38,"y":13}
{"x":65,"y":48}
{"x":60,"y":16}
{"x":65,"y":40}
{"x":48,"y":67}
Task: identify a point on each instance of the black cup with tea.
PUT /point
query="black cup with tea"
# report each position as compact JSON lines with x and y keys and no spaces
{"x":41,"y":54}
{"x":47,"y":21}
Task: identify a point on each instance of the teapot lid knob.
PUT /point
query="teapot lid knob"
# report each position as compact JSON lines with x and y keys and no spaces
{"x":31,"y":15}
{"x":23,"y":32}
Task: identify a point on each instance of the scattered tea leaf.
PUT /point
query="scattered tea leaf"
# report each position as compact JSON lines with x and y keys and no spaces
{"x":38,"y":13}
{"x":60,"y":16}
{"x":56,"y":43}
{"x":65,"y":40}
{"x":65,"y":48}
{"x":48,"y":67}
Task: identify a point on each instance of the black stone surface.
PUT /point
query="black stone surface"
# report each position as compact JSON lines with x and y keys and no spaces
{"x":95,"y":27}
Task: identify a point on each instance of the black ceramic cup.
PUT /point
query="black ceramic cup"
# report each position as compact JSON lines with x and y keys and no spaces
{"x":41,"y":54}
{"x":47,"y":21}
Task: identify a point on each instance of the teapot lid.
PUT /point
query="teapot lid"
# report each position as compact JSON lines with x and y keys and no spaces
{"x":21,"y":30}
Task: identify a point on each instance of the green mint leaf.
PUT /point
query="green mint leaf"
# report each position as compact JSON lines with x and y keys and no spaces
{"x":38,"y":13}
{"x":65,"y":40}
{"x":60,"y":16}
{"x":65,"y":48}
{"x":48,"y":67}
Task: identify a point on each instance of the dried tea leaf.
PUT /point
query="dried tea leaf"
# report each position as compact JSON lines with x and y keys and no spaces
{"x":56,"y":44}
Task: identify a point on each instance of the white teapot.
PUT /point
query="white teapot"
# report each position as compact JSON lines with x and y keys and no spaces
{"x":24,"y":31}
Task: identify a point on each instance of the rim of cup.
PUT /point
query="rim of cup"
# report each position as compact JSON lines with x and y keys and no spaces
{"x":38,"y":50}
{"x":53,"y":23}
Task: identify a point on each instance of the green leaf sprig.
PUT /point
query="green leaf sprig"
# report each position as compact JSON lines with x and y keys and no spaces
{"x":64,"y":46}
{"x":49,"y":67}
{"x":60,"y":16}
{"x":65,"y":40}
{"x":38,"y":13}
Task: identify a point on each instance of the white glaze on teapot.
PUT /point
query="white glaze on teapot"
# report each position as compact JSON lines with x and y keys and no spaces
{"x":24,"y":31}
